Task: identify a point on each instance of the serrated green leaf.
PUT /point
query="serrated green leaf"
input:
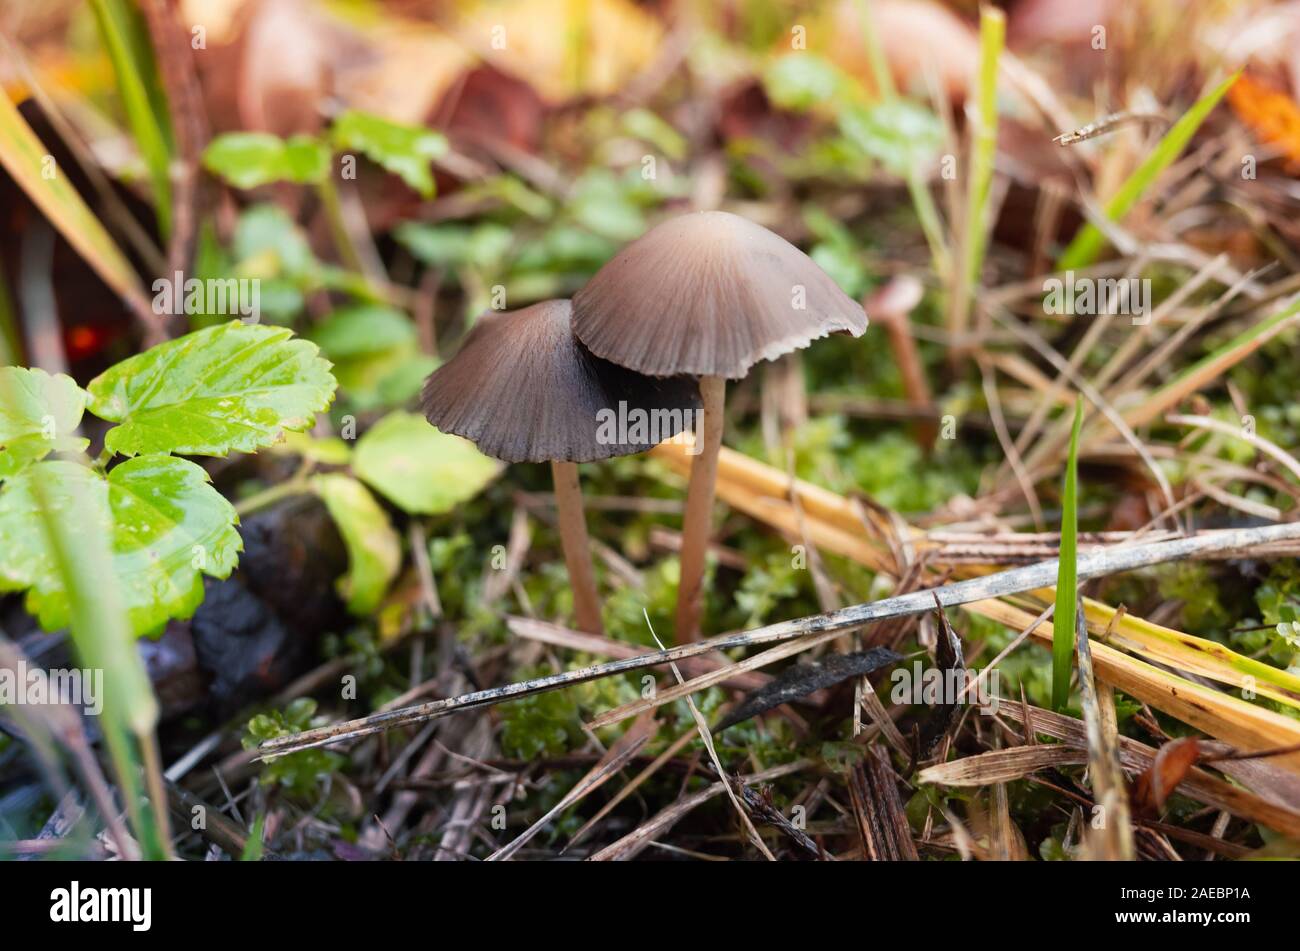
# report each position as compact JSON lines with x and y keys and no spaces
{"x":23,"y":451}
{"x":418,"y":468}
{"x":236,"y":386}
{"x":404,"y":150}
{"x":166,"y":525}
{"x":251,"y":159}
{"x":374,"y":548}
{"x":38,"y":415}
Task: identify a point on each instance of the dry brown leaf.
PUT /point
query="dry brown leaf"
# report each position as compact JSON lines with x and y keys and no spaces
{"x":1172,"y":764}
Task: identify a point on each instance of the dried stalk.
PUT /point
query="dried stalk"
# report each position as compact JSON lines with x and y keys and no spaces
{"x":1015,"y":581}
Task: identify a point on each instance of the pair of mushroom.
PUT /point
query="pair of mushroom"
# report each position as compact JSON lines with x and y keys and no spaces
{"x":657,"y":332}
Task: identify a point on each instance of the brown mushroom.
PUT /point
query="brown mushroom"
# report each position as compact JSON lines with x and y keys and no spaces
{"x":523,"y":389}
{"x":707,"y":294}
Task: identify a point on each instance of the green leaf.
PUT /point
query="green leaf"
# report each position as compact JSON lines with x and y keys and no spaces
{"x":404,"y":150}
{"x":418,"y":468}
{"x":267,"y":231}
{"x":603,"y":203}
{"x":898,"y":134}
{"x":1087,"y":244}
{"x":984,"y":139}
{"x":383,"y":380}
{"x":374,"y":548}
{"x":38,"y":415}
{"x":363,"y":330}
{"x":327,"y":451}
{"x":802,"y":81}
{"x":1067,"y":574}
{"x":483,"y":246}
{"x":254,"y":847}
{"x":81,"y":563}
{"x":251,"y":159}
{"x":648,"y":127}
{"x":24,"y":450}
{"x":376,"y":355}
{"x":166,"y":525}
{"x":236,"y":386}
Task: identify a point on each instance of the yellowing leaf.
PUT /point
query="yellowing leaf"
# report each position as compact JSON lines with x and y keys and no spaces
{"x":374,"y":548}
{"x":424,"y":471}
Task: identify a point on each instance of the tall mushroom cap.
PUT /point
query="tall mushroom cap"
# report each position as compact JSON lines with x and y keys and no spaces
{"x":709,"y":294}
{"x":525,"y":390}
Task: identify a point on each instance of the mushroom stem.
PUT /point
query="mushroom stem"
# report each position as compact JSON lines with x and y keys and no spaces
{"x":577,"y":546}
{"x":697,"y":524}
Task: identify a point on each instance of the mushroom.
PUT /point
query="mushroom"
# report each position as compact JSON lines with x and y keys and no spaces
{"x":523,"y":389}
{"x":707,"y":294}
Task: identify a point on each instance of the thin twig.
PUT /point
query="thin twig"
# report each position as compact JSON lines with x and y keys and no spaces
{"x":1015,"y":581}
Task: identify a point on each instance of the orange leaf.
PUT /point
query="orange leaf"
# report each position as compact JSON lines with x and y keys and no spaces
{"x":1272,"y":115}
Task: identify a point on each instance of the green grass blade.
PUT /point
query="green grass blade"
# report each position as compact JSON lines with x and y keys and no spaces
{"x":983,"y":149}
{"x":104,"y":641}
{"x":1063,"y":620}
{"x":1213,"y":365}
{"x":875,"y":55}
{"x":126,"y":38}
{"x":993,"y":28}
{"x":1089,"y":241}
{"x":11,"y":343}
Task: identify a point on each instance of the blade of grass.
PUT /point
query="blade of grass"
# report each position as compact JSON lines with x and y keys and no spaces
{"x":1089,"y":241}
{"x":984,"y":140}
{"x":126,"y":39}
{"x":106,"y":645}
{"x":1063,"y":622}
{"x":1195,"y":655}
{"x":11,"y":344}
{"x":1113,"y":840}
{"x":30,"y":164}
{"x":104,"y":642}
{"x":1212,"y":366}
{"x":927,"y":214}
{"x":875,"y":55}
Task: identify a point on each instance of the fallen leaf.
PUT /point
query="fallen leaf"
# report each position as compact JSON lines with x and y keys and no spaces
{"x":1171,"y":766}
{"x":1272,"y":115}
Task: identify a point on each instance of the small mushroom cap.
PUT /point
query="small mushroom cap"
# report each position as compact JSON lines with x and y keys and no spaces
{"x":709,"y":294}
{"x":523,"y":389}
